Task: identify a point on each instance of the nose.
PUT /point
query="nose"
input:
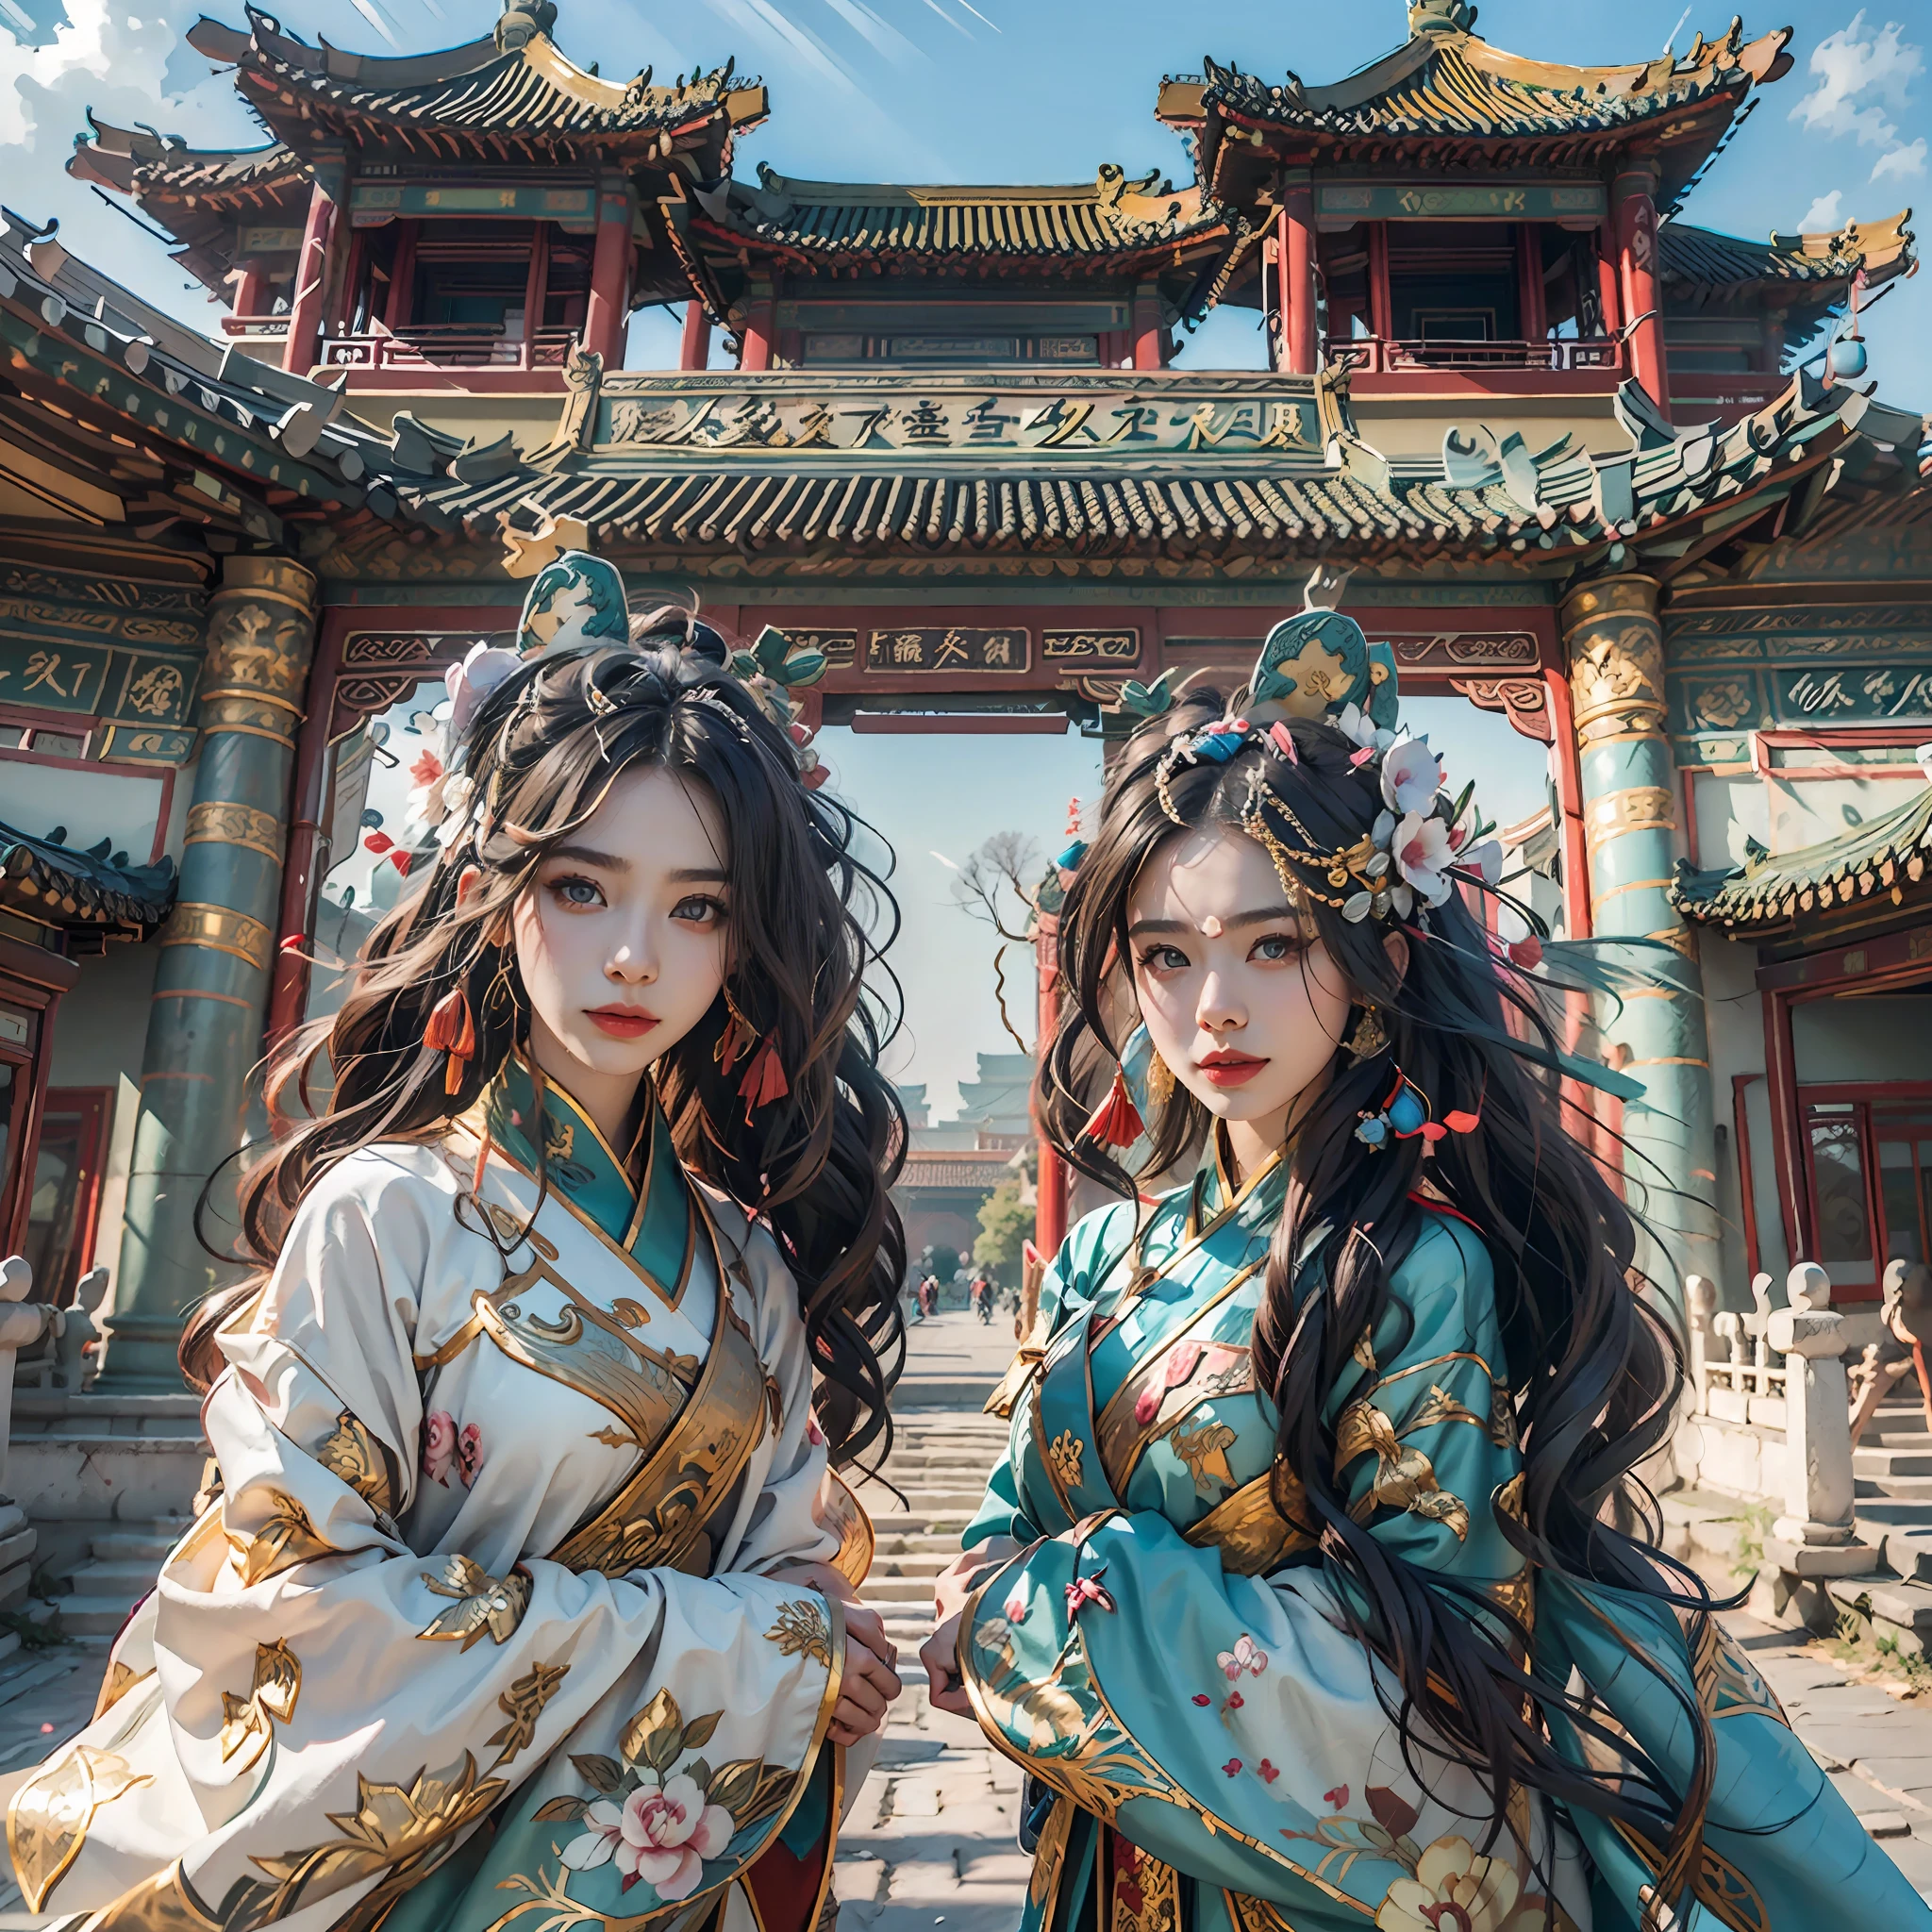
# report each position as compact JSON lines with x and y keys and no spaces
{"x":1220,"y":1009}
{"x":634,"y":959}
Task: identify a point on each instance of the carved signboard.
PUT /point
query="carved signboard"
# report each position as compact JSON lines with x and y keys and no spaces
{"x":949,"y":650}
{"x":950,"y":417}
{"x":1091,"y":647}
{"x":149,"y":697}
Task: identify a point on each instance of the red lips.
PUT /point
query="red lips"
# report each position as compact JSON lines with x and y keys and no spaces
{"x":621,"y":1023}
{"x":1227,"y":1068}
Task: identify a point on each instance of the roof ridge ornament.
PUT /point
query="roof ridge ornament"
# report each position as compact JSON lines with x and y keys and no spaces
{"x":1441,"y":17}
{"x":522,"y":22}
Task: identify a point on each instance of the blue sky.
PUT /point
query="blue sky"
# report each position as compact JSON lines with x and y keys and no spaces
{"x":996,"y":90}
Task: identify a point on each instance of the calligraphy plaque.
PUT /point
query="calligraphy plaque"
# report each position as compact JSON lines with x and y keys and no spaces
{"x":840,"y":648}
{"x":1091,"y":647}
{"x":950,"y":649}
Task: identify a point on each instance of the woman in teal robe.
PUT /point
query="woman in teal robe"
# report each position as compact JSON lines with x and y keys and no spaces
{"x":1300,"y":1593}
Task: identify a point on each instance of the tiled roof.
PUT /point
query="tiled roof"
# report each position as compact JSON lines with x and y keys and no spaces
{"x":1450,"y":82}
{"x":1699,"y":256}
{"x":48,"y":880}
{"x":833,"y":220}
{"x":1886,"y":858}
{"x":757,"y":475}
{"x":528,"y":92}
{"x":149,"y":166}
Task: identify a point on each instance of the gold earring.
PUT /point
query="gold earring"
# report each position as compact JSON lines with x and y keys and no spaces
{"x":1370,"y":1035}
{"x":1160,"y":1081}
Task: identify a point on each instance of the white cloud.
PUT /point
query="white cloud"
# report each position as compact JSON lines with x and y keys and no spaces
{"x":1863,"y":79}
{"x":99,"y":57}
{"x":1903,"y":162}
{"x":1825,"y":216}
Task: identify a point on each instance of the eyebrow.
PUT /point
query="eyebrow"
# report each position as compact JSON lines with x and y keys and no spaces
{"x":700,"y":875}
{"x":588,"y":854}
{"x":1264,"y":915}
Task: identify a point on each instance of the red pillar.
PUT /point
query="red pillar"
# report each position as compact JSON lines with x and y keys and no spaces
{"x":1530,"y":281}
{"x":401,"y":279}
{"x":757,"y":332}
{"x":609,"y":304}
{"x":1381,"y":304}
{"x":311,"y":283}
{"x":1050,"y":1191}
{"x":1608,"y":294}
{"x":696,"y":350}
{"x":251,"y":286}
{"x":535,"y":289}
{"x":1147,"y":327}
{"x":1295,"y":234}
{"x":1634,"y":215}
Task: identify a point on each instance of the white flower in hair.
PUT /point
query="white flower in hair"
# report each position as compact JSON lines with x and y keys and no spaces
{"x":1420,"y":849}
{"x":458,"y":794}
{"x":1355,"y":724}
{"x":473,"y":680}
{"x":1412,"y":776}
{"x":1486,"y":858}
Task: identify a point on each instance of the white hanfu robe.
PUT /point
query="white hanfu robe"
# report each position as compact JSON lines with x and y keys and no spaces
{"x":482,"y":1632}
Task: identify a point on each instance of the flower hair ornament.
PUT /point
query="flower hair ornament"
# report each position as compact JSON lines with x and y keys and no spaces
{"x":578,"y":600}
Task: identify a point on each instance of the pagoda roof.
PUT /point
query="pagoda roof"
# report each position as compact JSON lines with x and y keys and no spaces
{"x":746,"y":466}
{"x":1446,"y":87}
{"x":48,"y":880}
{"x":1828,"y":260}
{"x":164,"y":171}
{"x":500,"y":94}
{"x":1112,"y":220}
{"x":1885,"y":858}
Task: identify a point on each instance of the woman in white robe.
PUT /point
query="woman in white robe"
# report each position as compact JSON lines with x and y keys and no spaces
{"x":525,"y":1601}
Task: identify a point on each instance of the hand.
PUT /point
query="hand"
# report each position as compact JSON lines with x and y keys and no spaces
{"x":939,"y":1654}
{"x":870,"y":1682}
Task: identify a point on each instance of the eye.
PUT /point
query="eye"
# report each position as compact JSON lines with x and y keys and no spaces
{"x":1165,"y":959}
{"x":1276,"y":948}
{"x":700,"y":908}
{"x":576,"y":893}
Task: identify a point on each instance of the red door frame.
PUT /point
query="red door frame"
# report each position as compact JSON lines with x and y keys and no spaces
{"x":34,"y":978}
{"x":1862,"y":1096}
{"x":95,"y":1105}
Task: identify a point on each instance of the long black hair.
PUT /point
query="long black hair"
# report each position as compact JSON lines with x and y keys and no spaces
{"x":1598,"y":1370}
{"x":808,"y":920}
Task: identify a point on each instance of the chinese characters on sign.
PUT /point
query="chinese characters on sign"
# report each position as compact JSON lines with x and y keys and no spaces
{"x":948,"y":648}
{"x":970,"y":420}
{"x":1091,"y":647}
{"x":100,"y":681}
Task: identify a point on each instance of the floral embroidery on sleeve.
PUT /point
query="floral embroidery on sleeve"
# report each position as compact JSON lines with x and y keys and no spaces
{"x":439,"y":1445}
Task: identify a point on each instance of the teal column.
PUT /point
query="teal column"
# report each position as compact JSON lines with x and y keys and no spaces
{"x":212,"y":983}
{"x":1615,"y":652}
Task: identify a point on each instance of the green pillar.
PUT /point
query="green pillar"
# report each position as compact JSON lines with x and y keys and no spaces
{"x":211,"y":984}
{"x":1614,"y":645}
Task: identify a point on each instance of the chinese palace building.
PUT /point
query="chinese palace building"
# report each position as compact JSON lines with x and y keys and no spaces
{"x":1616,"y":477}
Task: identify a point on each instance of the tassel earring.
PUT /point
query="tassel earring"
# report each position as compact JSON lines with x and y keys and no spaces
{"x":452,"y":1030}
{"x":736,"y":1038}
{"x":1116,"y":1121}
{"x":764,"y":1079}
{"x":1159,"y":1081}
{"x":1370,"y":1037}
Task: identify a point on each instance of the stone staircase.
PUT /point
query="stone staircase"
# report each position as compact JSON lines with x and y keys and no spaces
{"x":940,"y":1462}
{"x":1892,"y":1476}
{"x":118,"y":1570}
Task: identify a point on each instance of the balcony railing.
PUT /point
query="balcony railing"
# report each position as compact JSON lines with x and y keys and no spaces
{"x":450,"y":345}
{"x":276,"y":326}
{"x":1384,"y":355}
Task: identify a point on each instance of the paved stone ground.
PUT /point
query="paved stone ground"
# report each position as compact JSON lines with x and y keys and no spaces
{"x":930,"y":1839}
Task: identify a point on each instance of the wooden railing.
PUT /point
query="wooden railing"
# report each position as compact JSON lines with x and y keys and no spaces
{"x":1384,"y":355}
{"x":450,"y":345}
{"x":273,"y":326}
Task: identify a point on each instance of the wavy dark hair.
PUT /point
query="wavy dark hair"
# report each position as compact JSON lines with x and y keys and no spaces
{"x":1596,"y":1367}
{"x":816,"y":1166}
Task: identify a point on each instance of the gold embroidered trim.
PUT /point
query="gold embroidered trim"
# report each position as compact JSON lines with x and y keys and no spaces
{"x":841,"y":1514}
{"x":1064,"y":1453}
{"x":52,"y":1813}
{"x":1203,"y":1449}
{"x":287,"y":1538}
{"x":484,"y":1604}
{"x":1404,"y":1478}
{"x":1145,"y":1895}
{"x":802,"y":1629}
{"x":1250,"y":1528}
{"x":523,"y":1704}
{"x":121,"y":1678}
{"x":354,"y":1454}
{"x":271,"y":1701}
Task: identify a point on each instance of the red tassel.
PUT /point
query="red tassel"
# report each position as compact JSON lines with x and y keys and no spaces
{"x":764,"y":1079}
{"x":451,"y":1029}
{"x":1462,"y":1122}
{"x":1116,"y":1121}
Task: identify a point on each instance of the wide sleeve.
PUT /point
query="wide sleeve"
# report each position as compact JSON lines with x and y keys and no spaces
{"x":1070,"y":1283}
{"x":1259,"y":1751}
{"x":334,"y":1709}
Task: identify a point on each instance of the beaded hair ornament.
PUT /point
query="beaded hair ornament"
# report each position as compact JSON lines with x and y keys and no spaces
{"x":579,"y":600}
{"x":1317,"y":666}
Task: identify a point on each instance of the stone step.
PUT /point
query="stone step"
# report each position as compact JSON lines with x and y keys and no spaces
{"x":1889,"y":1461}
{"x":920,"y":1545}
{"x":134,"y":1578}
{"x":1901,"y":1489}
{"x":1906,"y":1547}
{"x":1895,"y":1606}
{"x":149,"y":1546}
{"x":926,"y":1566}
{"x":92,"y":1616}
{"x":880,"y":1590}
